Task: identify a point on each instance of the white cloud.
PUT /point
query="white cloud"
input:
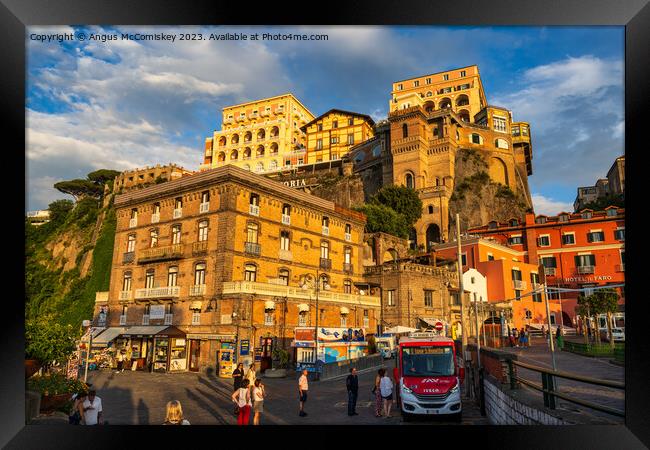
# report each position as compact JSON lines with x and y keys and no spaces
{"x":548,"y":206}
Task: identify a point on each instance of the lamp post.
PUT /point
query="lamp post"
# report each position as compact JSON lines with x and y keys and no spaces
{"x":460,"y":296}
{"x":317,"y":289}
{"x":88,"y":323}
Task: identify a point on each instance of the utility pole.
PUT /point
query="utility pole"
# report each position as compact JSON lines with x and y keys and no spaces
{"x":90,"y":344}
{"x":478,"y":339}
{"x":460,"y":296}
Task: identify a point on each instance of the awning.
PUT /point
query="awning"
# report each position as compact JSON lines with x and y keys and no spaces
{"x":108,"y":335}
{"x":153,"y":330}
{"x":432,"y":321}
{"x":303,"y":307}
{"x":96,"y":331}
{"x":344,"y":310}
{"x":269,"y":305}
{"x":196,"y":305}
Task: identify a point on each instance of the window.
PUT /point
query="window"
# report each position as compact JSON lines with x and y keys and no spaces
{"x":285,"y":241}
{"x":409,"y":181}
{"x":619,"y":234}
{"x":350,"y":121}
{"x":517,"y":294}
{"x":463,"y":259}
{"x":595,"y":236}
{"x":149,"y":279}
{"x":492,"y":225}
{"x":347,"y":256}
{"x":259,"y":167}
{"x":324,"y":250}
{"x":319,"y":144}
{"x":548,"y":261}
{"x":516,"y":275}
{"x":268,"y":317}
{"x":490,"y":257}
{"x":199,"y":274}
{"x":476,"y":138}
{"x":515,"y":240}
{"x":445,"y":77}
{"x":428,"y":298}
{"x":430,"y":208}
{"x":534,"y":278}
{"x":335,"y":124}
{"x":347,"y":286}
{"x":178,"y":203}
{"x":252,"y":232}
{"x":324,"y":282}
{"x":400,"y":87}
{"x":302,"y":319}
{"x":514,"y":223}
{"x":130,"y":245}
{"x":586,"y":215}
{"x":515,"y":130}
{"x":366,"y":319}
{"x":568,"y":239}
{"x":612,"y":212}
{"x":196,"y":317}
{"x":501,"y":143}
{"x":540,"y":220}
{"x":283,"y":274}
{"x":250,"y":272}
{"x":390,"y":297}
{"x":153,"y":234}
{"x":463,"y":73}
{"x":428,"y":80}
{"x":203,"y":230}
{"x":500,"y":125}
{"x":205,"y":197}
{"x":334,"y":140}
{"x":176,"y":234}
{"x":172,"y":276}
{"x":319,"y":127}
{"x":455,"y":299}
{"x":563,"y":218}
{"x":126,"y":281}
{"x":544,"y":241}
{"x":344,"y":322}
{"x":585,"y":260}
{"x":254,"y":200}
{"x":405,"y":131}
{"x":350,"y":139}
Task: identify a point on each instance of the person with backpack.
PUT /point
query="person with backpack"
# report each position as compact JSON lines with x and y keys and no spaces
{"x":175,"y":414}
{"x":242,"y":399}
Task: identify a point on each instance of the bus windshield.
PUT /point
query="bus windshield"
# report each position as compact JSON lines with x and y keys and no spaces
{"x":428,"y":361}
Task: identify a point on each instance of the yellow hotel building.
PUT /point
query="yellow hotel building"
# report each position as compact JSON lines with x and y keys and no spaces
{"x":331,"y":135}
{"x":259,"y":136}
{"x":209,"y":261}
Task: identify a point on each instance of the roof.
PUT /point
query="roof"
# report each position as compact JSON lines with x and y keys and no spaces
{"x":288,"y":94}
{"x":437,"y":73}
{"x":152,"y":330}
{"x":349,"y":113}
{"x":418,"y":340}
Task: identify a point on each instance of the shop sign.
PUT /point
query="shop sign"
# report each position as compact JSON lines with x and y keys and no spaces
{"x":303,"y":344}
{"x":244,"y":347}
{"x":304,"y":334}
{"x":295,"y":183}
{"x":156,"y":312}
{"x":340,"y":334}
{"x":588,"y":279}
{"x":180,"y":342}
{"x":258,"y":353}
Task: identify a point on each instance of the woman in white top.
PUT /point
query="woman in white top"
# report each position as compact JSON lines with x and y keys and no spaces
{"x":242,"y":397}
{"x":386,"y":389}
{"x":258,"y":396}
{"x":250,"y":376}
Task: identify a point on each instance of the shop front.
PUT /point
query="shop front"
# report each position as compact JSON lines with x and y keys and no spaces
{"x":334,"y":344}
{"x":202,"y":346}
{"x":154,"y":348}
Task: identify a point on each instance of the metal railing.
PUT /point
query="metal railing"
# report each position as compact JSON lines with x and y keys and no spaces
{"x":122,"y":319}
{"x":168,"y":251}
{"x":326,"y":231}
{"x":199,"y":247}
{"x":204,"y":207}
{"x":286,"y":219}
{"x":159,"y":292}
{"x":197,"y":290}
{"x":178,"y":212}
{"x":252,"y":248}
{"x":550,"y":391}
{"x":285,"y":255}
{"x":347,"y":267}
{"x":133,"y":223}
{"x":348,"y":237}
{"x":325,"y":263}
{"x":254,"y":210}
{"x":128,"y":257}
{"x":549,"y":271}
{"x":585,"y":269}
{"x":125,"y":295}
{"x":518,"y":284}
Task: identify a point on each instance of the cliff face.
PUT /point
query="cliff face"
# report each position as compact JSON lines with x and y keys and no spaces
{"x":477,"y":199}
{"x":344,"y":190}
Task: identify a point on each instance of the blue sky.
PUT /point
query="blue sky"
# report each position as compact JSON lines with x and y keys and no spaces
{"x":125,"y":104}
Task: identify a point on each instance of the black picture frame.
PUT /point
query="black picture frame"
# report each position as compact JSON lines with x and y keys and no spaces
{"x":15,"y":15}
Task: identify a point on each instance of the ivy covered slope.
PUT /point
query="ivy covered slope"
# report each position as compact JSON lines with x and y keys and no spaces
{"x":68,"y":259}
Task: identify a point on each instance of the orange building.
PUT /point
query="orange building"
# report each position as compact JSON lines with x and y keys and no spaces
{"x":578,"y":251}
{"x":510,"y":279}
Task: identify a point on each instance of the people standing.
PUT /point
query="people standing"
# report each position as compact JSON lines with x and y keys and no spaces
{"x":242,"y":398}
{"x":386,"y":388}
{"x":377,"y":391}
{"x":92,"y":409}
{"x":511,"y":339}
{"x":522,"y":337}
{"x":120,"y":361}
{"x":352,"y":385}
{"x":515,"y":336}
{"x":238,"y":376}
{"x":544,"y":332}
{"x":77,"y":408}
{"x":259,"y":394}
{"x":559,"y":337}
{"x":303,"y":387}
{"x":174,"y":414}
{"x":129,"y":354}
{"x":251,"y":375}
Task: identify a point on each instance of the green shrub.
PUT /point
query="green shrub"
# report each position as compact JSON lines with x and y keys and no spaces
{"x":55,"y":384}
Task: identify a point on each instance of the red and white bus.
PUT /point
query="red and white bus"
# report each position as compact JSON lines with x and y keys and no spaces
{"x":429,"y":376}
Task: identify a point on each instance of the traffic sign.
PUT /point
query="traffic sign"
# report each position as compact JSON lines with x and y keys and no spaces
{"x":439,"y":326}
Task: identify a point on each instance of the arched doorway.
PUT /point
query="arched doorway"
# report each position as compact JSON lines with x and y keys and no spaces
{"x":413,"y":239}
{"x":433,"y":235}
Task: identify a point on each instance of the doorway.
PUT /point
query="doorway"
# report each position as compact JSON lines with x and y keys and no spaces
{"x":195,"y":353}
{"x":267,"y":354}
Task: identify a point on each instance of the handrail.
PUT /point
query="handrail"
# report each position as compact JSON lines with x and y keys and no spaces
{"x":570,"y":376}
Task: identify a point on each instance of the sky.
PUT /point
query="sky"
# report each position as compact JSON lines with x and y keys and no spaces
{"x":122,"y":104}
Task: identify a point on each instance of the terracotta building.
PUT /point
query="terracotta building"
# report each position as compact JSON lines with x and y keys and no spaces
{"x":226,"y":261}
{"x":578,"y":251}
{"x":147,"y":176}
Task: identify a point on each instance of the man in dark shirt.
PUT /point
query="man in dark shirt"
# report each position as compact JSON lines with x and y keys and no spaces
{"x":352,"y":384}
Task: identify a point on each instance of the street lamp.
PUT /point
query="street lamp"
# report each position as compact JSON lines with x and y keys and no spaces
{"x":88,"y":323}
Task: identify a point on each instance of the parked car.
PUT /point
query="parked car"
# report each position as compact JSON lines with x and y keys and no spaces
{"x":617,"y":333}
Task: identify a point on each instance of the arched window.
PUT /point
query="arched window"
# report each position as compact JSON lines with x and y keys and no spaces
{"x":203,"y":230}
{"x":234,"y":155}
{"x":247,"y":167}
{"x":199,"y":274}
{"x":429,"y":94}
{"x":126,"y":281}
{"x":347,"y":286}
{"x":409,"y":180}
{"x":247,"y":153}
{"x":283,"y":274}
{"x":222,"y":141}
{"x":405,"y":131}
{"x":149,"y":279}
{"x":252,"y":231}
{"x":130,"y":244}
{"x":324,"y":282}
{"x":172,"y":276}
{"x":234,"y":139}
{"x":176,"y":234}
{"x":285,"y":240}
{"x":347,"y":255}
{"x":259,"y":153}
{"x":261,"y":134}
{"x":250,"y":272}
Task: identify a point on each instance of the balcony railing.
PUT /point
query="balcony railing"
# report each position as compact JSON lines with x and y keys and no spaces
{"x":161,"y":253}
{"x":326,"y":231}
{"x":197,"y":290}
{"x":620,"y":267}
{"x":159,"y":292}
{"x":178,"y":212}
{"x":348,"y":268}
{"x":348,"y":237}
{"x":199,"y":247}
{"x":155,"y":218}
{"x":518,"y":284}
{"x":549,"y":271}
{"x":204,"y":207}
{"x":264,"y":113}
{"x":286,"y":219}
{"x":128,"y":257}
{"x":253,"y":287}
{"x":145,"y":319}
{"x":168,"y":319}
{"x":254,"y":210}
{"x":133,"y":223}
{"x":325,"y":263}
{"x":125,"y":295}
{"x":252,"y":248}
{"x":285,"y":255}
{"x":585,"y":269}
{"x":122,"y":319}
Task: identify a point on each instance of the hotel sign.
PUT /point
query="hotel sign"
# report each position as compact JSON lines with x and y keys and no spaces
{"x":588,"y":279}
{"x":295,"y":183}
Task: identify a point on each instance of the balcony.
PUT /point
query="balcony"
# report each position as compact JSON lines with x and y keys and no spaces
{"x":101,"y":297}
{"x":620,"y":267}
{"x":197,"y":290}
{"x":199,"y":248}
{"x":253,"y":210}
{"x":155,"y":218}
{"x":252,"y":248}
{"x":128,"y":257}
{"x":549,"y":271}
{"x":585,"y":269}
{"x":518,"y":284}
{"x":168,"y":319}
{"x":348,"y":268}
{"x":277,"y":290}
{"x":286,"y":219}
{"x":326,"y":231}
{"x":279,"y":111}
{"x":204,"y":207}
{"x":228,"y":121}
{"x":133,"y":222}
{"x":264,"y":113}
{"x":325,"y":263}
{"x":125,"y":295}
{"x":160,"y":292}
{"x":285,"y":255}
{"x":122,"y":319}
{"x":145,"y":319}
{"x":348,"y":237}
{"x":161,"y":253}
{"x":178,"y":213}
{"x":241,"y":119}
{"x":253,"y":115}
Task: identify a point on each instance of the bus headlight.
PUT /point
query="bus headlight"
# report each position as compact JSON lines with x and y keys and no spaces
{"x":406,"y":389}
{"x":454,"y":389}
